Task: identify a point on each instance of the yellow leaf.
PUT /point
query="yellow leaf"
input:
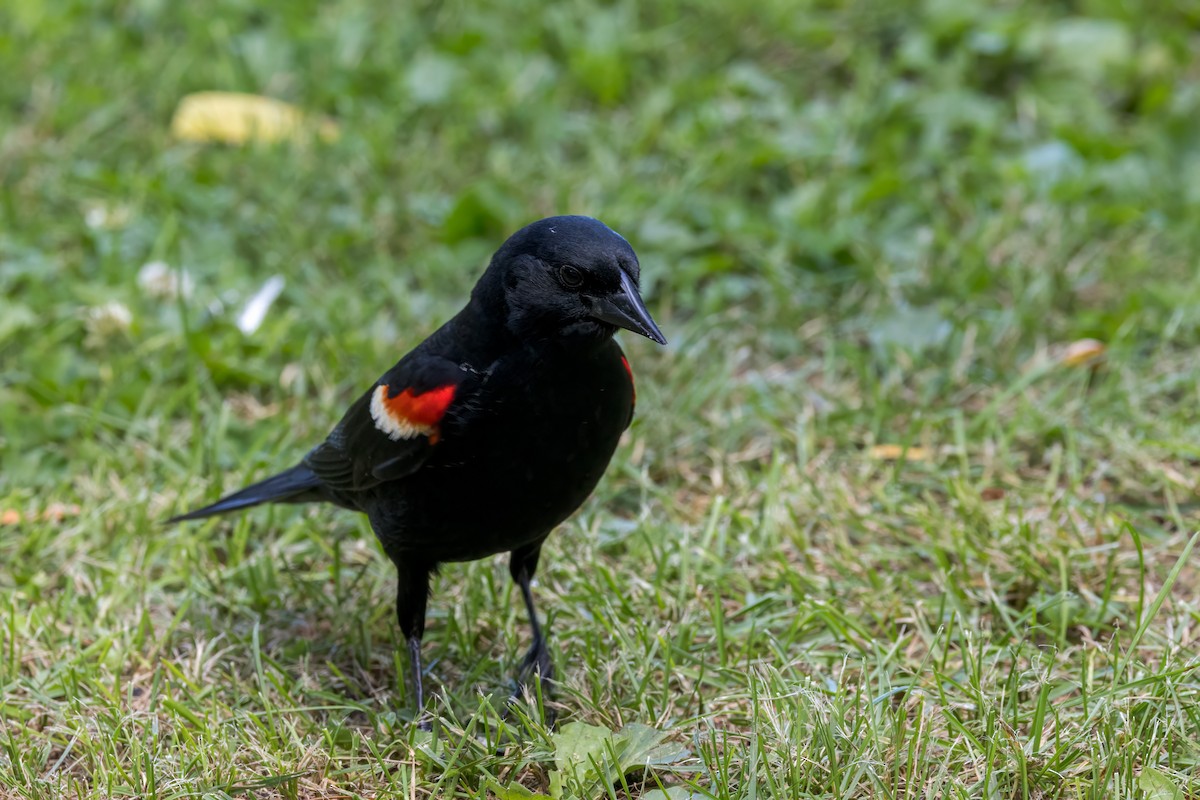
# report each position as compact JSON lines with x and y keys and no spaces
{"x":1082,"y":353}
{"x":235,"y":118}
{"x":895,"y":452}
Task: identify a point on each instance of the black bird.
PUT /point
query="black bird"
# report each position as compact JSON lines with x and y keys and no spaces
{"x":494,"y":429}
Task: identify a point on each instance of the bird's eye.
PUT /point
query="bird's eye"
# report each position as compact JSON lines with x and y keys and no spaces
{"x":570,"y":277}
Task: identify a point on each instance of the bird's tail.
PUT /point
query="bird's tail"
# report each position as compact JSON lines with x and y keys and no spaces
{"x":284,"y":487}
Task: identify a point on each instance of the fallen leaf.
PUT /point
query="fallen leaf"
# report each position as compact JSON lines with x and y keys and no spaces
{"x":1082,"y":353}
{"x":236,"y":118}
{"x":249,"y":408}
{"x":992,"y":493}
{"x":897,"y":452}
{"x":57,"y":512}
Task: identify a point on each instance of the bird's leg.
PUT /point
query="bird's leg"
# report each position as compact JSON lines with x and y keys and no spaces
{"x":537,"y":660}
{"x":414,"y":660}
{"x":412,"y":594}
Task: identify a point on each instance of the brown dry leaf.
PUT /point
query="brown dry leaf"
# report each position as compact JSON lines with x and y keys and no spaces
{"x":236,"y":118}
{"x":896,"y":452}
{"x":57,"y":512}
{"x":249,"y":408}
{"x":1083,"y":352}
{"x":992,"y":493}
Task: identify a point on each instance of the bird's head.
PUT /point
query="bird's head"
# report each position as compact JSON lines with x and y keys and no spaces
{"x":565,"y":277}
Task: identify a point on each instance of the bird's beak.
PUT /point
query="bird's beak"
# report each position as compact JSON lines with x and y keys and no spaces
{"x":625,"y":309}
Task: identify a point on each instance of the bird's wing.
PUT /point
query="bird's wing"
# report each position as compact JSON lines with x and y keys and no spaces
{"x":391,"y":430}
{"x":632,"y":388}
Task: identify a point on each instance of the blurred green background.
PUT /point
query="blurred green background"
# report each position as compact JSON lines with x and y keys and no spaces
{"x":860,"y":224}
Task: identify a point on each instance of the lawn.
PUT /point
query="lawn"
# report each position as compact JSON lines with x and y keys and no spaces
{"x":878,"y":531}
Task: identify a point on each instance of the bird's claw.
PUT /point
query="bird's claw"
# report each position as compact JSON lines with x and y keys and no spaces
{"x":536,"y":665}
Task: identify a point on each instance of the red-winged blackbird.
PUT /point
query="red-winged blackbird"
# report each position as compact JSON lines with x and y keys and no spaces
{"x":494,"y":429}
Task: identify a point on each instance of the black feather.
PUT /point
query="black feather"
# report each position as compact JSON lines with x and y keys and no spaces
{"x":288,"y":485}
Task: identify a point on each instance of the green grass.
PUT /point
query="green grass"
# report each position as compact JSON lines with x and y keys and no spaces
{"x":860,"y":224}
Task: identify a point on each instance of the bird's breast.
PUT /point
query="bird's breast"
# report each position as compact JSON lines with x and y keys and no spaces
{"x":529,"y":452}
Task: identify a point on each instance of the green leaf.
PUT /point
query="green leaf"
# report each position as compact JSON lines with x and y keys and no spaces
{"x":1158,"y":786}
{"x":582,"y":752}
{"x":14,"y":318}
{"x":515,"y":791}
{"x":672,"y":793}
{"x":431,"y":78}
{"x":1088,"y":48}
{"x":477,"y":212}
{"x":577,"y":744}
{"x":642,"y":746}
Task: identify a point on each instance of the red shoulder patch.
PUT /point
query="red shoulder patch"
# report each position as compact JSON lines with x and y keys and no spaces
{"x":407,"y":415}
{"x":629,"y":372}
{"x":426,"y":408}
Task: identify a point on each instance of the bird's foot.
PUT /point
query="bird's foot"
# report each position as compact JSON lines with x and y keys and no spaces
{"x":537,"y":666}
